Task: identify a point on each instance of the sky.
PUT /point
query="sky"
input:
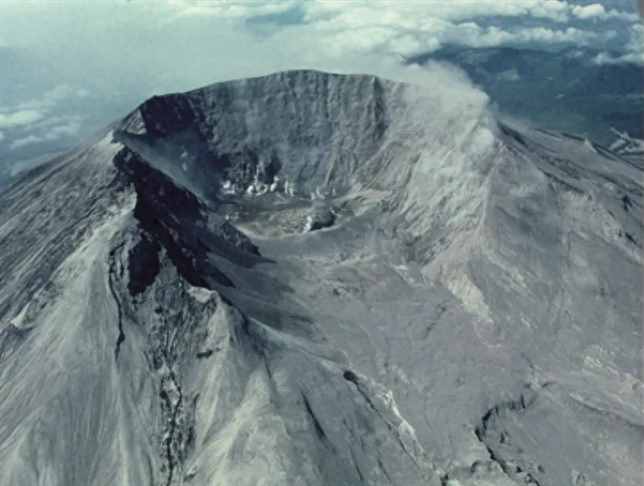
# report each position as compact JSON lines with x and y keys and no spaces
{"x":73,"y":64}
{"x":187,"y":42}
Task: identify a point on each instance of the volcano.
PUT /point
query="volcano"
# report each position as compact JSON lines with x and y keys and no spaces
{"x":320,"y":279}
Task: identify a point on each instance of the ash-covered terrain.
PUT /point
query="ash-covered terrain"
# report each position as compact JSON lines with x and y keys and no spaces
{"x":319,"y":279}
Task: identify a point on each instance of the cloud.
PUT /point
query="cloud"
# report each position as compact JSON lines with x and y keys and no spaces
{"x":455,"y":10}
{"x":42,"y":113}
{"x":51,"y":98}
{"x":40,"y":120}
{"x":19,"y":118}
{"x":569,"y":35}
{"x":23,"y":142}
{"x":473,"y":35}
{"x":1,"y":136}
{"x":589,"y":11}
{"x":386,"y":11}
{"x":634,"y":51}
{"x":228,"y":8}
{"x":51,"y":130}
{"x":598,"y":11}
{"x":68,"y":129}
{"x":629,"y":58}
{"x":408,"y":36}
{"x":338,"y":27}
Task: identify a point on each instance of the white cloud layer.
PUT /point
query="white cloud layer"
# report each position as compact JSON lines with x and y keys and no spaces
{"x":589,"y":11}
{"x":405,"y":31}
{"x":598,"y":11}
{"x":410,"y":27}
{"x":634,"y":52}
{"x":50,"y":98}
{"x":19,"y":118}
{"x":453,"y":10}
{"x":24,"y":141}
{"x":228,"y":9}
{"x":67,"y":128}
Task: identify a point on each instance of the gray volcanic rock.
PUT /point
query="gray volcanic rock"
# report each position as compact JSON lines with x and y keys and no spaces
{"x":470,"y":315}
{"x":320,"y":217}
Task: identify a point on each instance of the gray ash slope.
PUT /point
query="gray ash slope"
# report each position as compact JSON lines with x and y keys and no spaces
{"x":320,"y":279}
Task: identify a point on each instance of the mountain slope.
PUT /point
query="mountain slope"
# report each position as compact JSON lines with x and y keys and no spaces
{"x":310,"y":278}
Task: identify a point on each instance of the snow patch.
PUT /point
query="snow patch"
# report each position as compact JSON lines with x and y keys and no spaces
{"x":202,"y":295}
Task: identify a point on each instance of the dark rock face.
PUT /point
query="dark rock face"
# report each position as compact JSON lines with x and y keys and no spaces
{"x":177,"y":220}
{"x":144,"y":264}
{"x":322,"y":279}
{"x":165,"y":115}
{"x":321,"y":218}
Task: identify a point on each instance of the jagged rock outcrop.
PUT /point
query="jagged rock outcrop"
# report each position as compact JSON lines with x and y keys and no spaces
{"x":317,"y":279}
